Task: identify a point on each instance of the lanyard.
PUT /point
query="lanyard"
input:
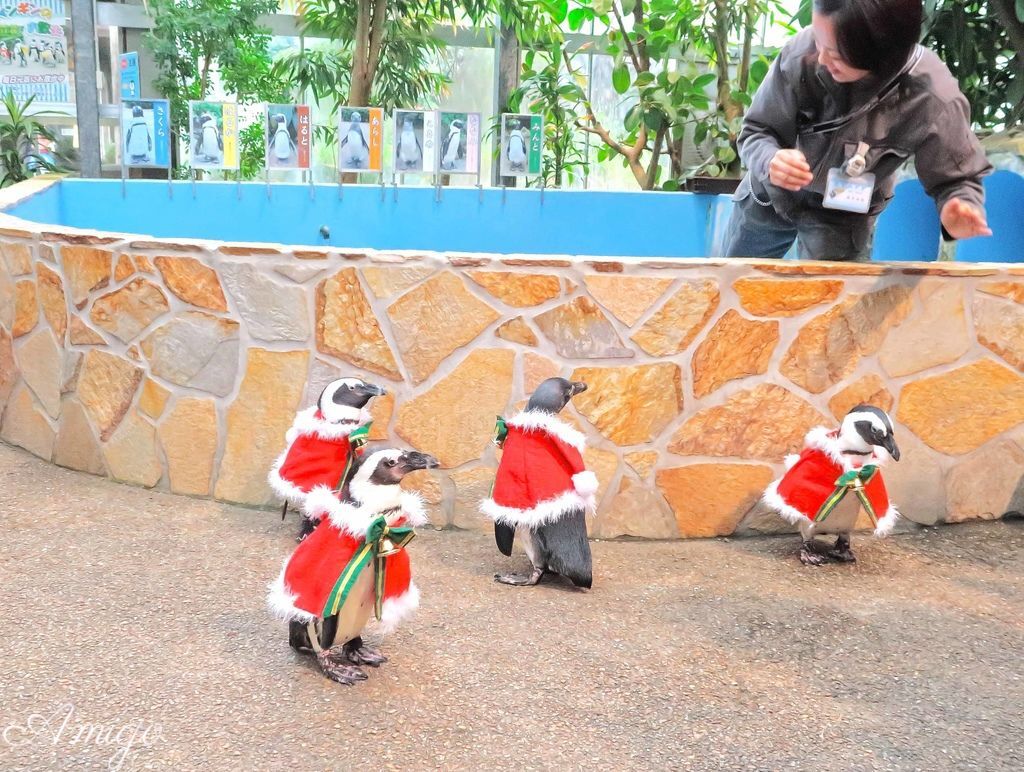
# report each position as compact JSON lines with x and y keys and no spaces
{"x":828,"y":126}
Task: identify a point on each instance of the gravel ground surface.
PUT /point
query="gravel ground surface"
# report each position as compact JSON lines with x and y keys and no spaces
{"x":125,"y":611}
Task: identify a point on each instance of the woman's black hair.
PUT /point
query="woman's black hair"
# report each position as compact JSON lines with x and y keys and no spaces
{"x":874,"y":35}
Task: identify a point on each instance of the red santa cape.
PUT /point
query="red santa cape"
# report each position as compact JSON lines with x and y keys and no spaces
{"x":541,"y":475}
{"x":317,"y":454}
{"x":310,"y":573}
{"x":811,"y":478}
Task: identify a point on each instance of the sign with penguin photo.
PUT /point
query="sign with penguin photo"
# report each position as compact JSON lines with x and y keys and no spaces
{"x":415,"y":142}
{"x":213,"y":135}
{"x":522,"y":144}
{"x":361,"y":140}
{"x":146,"y":133}
{"x":460,"y":143}
{"x":289,"y":136}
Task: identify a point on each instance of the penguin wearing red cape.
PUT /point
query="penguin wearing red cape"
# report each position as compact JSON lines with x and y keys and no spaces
{"x":323,"y":443}
{"x":838,"y":473}
{"x":543,"y":491}
{"x":353,"y":565}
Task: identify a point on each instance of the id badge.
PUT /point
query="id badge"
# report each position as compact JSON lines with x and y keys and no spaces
{"x":849,"y":194}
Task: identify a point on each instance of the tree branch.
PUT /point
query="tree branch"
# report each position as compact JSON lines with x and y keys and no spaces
{"x":625,"y":36}
{"x":376,"y":40}
{"x":1007,"y":13}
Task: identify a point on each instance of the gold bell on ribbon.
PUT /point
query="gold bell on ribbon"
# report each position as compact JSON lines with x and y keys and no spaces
{"x":387,"y":547}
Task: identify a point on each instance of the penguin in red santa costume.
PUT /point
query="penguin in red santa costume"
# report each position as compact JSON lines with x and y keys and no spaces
{"x":353,"y":565}
{"x":542,"y":490}
{"x":838,"y":474}
{"x":323,"y":442}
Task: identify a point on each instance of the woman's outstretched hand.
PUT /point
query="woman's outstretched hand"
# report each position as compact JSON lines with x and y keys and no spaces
{"x":963,"y":221}
{"x":789,"y":170}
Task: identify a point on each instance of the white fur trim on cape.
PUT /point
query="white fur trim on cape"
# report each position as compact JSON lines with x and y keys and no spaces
{"x":355,"y":520}
{"x":307,"y":423}
{"x":396,"y":610}
{"x":585,"y":483}
{"x":790,"y":514}
{"x":538,"y":420}
{"x":790,"y":461}
{"x":282,"y":601}
{"x":887,"y":522}
{"x":284,"y":488}
{"x":545,"y":512}
{"x":820,"y":438}
{"x":772,"y":499}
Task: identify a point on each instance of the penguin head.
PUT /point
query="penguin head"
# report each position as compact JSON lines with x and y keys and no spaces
{"x":456,"y":124}
{"x":136,"y":112}
{"x":865,"y":428}
{"x":280,"y":118}
{"x":375,"y":482}
{"x":554,"y":394}
{"x":344,"y":398}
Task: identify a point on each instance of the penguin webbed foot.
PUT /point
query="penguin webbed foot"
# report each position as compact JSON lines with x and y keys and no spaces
{"x":520,"y":580}
{"x":841,"y":552}
{"x":356,"y":652}
{"x":305,"y":528}
{"x":335,"y":665}
{"x":810,"y":556}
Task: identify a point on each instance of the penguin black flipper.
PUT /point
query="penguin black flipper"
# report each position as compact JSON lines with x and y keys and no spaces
{"x":504,"y":536}
{"x":564,"y":548}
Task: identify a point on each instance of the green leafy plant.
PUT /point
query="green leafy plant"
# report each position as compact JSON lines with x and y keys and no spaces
{"x":688,"y":69}
{"x":548,"y":89}
{"x":192,"y":40}
{"x":982,"y":43}
{"x":20,"y":136}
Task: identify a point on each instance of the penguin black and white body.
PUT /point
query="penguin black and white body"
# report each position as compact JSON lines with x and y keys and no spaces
{"x":210,"y":142}
{"x":409,"y":150}
{"x":137,"y":142}
{"x":282,"y":144}
{"x":47,"y":58}
{"x":516,"y":149}
{"x":302,"y":593}
{"x":321,"y":451}
{"x":543,"y":491}
{"x":811,"y":495}
{"x":451,"y":149}
{"x":355,"y":152}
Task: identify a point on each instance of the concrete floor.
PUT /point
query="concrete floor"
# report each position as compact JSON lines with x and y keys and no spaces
{"x":125,"y":611}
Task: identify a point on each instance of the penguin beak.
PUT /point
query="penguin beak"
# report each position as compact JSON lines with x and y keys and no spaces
{"x":578,"y":387}
{"x":889,"y":443}
{"x":415,"y":460}
{"x":369,"y":390}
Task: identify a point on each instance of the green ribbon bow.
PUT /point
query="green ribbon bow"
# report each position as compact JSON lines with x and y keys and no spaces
{"x":855,"y":480}
{"x":500,"y":432}
{"x":356,"y":439}
{"x":375,"y":550}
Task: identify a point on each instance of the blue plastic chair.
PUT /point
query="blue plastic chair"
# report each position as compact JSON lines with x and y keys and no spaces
{"x":1004,"y":205}
{"x":909,"y":228}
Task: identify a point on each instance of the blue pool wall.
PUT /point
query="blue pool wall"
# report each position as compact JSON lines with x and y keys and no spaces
{"x":514,"y":221}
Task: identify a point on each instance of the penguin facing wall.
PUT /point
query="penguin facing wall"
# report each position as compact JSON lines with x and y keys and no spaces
{"x":138,"y":143}
{"x":353,"y":565}
{"x":838,"y":473}
{"x":543,"y":491}
{"x":515,"y":150}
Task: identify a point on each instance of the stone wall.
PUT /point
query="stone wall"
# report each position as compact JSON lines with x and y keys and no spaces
{"x":181,"y":365}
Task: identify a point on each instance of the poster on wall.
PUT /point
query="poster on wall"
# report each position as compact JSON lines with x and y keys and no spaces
{"x":415,"y":141}
{"x":289,"y":136}
{"x":460,"y":143}
{"x":145,"y":133}
{"x":213,"y":134}
{"x":522,"y":141}
{"x":361,"y":140}
{"x":34,"y":50}
{"x":131,"y":82}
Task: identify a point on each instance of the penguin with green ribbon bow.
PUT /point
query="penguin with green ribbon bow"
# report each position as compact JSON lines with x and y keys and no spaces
{"x":354,"y":566}
{"x":836,"y":481}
